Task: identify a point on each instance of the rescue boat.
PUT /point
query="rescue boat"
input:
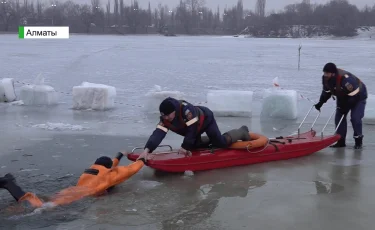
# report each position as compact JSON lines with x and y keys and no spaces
{"x":259,"y":150}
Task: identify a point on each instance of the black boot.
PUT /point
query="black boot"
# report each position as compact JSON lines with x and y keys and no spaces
{"x":241,"y":134}
{"x":245,"y":130}
{"x":4,"y":180}
{"x":203,"y":143}
{"x":205,"y":140}
{"x":339,"y":144}
{"x":358,"y":142}
{"x":8,"y":182}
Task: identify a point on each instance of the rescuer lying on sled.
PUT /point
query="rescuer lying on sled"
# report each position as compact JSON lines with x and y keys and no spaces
{"x":103,"y":175}
{"x":191,"y":122}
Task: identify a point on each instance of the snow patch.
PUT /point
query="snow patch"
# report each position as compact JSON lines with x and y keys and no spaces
{"x":204,"y":190}
{"x":149,"y":184}
{"x":59,"y":127}
{"x":20,"y":102}
{"x":188,"y":173}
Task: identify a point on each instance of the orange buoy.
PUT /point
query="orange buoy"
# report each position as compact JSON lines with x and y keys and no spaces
{"x":256,"y":141}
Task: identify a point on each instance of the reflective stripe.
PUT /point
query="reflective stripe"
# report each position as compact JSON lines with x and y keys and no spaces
{"x":327,"y":91}
{"x":94,"y":172}
{"x":192,"y":121}
{"x":354,"y":92}
{"x":162,"y":128}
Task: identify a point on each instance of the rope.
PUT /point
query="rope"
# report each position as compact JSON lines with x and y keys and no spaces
{"x":268,"y":143}
{"x":303,"y":97}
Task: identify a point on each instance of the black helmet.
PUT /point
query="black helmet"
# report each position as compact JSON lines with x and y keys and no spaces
{"x":330,"y":68}
{"x":104,"y":161}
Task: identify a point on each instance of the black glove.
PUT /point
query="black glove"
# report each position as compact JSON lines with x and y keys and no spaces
{"x":318,"y":106}
{"x":143,"y":159}
{"x":119,"y":155}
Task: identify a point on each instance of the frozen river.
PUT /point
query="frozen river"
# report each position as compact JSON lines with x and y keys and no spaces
{"x":47,"y":148}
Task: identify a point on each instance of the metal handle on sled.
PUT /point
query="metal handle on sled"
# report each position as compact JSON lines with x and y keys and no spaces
{"x":303,"y":121}
{"x":342,"y":117}
{"x":157,"y":147}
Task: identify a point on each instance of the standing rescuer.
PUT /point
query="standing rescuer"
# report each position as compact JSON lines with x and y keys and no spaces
{"x":351,"y":94}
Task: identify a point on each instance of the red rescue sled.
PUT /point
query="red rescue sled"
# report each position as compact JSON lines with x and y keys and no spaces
{"x":281,"y":148}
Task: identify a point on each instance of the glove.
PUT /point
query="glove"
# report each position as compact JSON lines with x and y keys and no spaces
{"x":184,"y":152}
{"x":119,"y":155}
{"x":143,"y":156}
{"x":318,"y":106}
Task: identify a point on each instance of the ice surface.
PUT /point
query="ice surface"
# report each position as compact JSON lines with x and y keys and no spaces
{"x":59,"y":126}
{"x":94,"y":96}
{"x":369,"y":117}
{"x":38,"y":95}
{"x":234,"y":103}
{"x":7,"y":92}
{"x":280,"y":103}
{"x":173,"y":68}
{"x":155,"y":96}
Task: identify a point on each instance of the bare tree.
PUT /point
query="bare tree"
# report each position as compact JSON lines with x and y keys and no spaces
{"x":337,"y":17}
{"x":7,"y":12}
{"x":162,"y":15}
{"x":149,"y":14}
{"x":306,"y":2}
{"x":108,"y":13}
{"x":260,"y":8}
{"x":239,"y":15}
{"x":86,"y":17}
{"x":122,"y":13}
{"x":193,"y":5}
{"x":116,"y":13}
{"x":39,"y":10}
{"x":95,"y":5}
{"x":97,"y":13}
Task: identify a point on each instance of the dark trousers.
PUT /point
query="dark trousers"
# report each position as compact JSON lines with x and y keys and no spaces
{"x":357,"y":113}
{"x":212,"y":130}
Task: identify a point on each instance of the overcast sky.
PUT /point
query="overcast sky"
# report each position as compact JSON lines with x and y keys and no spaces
{"x":248,"y":4}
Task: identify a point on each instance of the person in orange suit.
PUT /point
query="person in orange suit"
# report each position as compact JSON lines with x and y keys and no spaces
{"x":102,"y":176}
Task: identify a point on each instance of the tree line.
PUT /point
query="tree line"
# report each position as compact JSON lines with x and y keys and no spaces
{"x":337,"y":17}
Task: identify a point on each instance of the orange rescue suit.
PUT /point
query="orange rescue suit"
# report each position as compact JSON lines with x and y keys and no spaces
{"x":90,"y":184}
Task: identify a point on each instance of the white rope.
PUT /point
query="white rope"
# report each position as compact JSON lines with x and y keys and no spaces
{"x":268,"y":142}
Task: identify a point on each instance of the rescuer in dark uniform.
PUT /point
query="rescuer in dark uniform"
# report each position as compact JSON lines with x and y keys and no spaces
{"x":351,"y":94}
{"x":191,"y":121}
